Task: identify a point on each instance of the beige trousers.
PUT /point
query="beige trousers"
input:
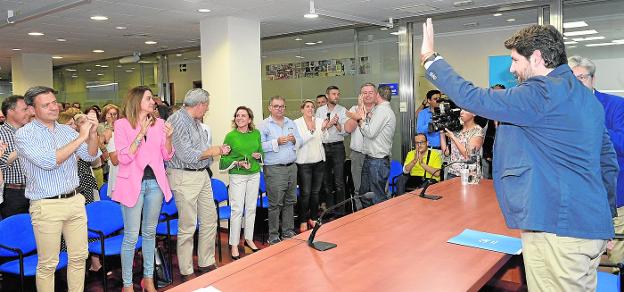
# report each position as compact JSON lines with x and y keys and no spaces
{"x":616,"y":255}
{"x":192,"y":191}
{"x":557,"y":263}
{"x":50,"y":218}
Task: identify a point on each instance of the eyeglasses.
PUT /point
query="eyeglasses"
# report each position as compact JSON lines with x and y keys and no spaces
{"x":420,"y":142}
{"x":278,"y":106}
{"x":583,"y":77}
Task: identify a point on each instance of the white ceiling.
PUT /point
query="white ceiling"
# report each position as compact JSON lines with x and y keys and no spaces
{"x":175,"y":23}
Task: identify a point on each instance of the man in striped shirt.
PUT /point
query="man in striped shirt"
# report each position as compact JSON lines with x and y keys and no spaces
{"x":48,"y":152}
{"x":17,"y":115}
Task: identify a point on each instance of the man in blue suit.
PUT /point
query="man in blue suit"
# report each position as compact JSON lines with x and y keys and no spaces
{"x":584,"y":70}
{"x":554,"y":164}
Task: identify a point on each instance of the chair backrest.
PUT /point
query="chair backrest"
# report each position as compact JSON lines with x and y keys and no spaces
{"x":104,"y":216}
{"x":219,"y":190}
{"x":262,"y":183}
{"x":17,"y":232}
{"x":169,"y":208}
{"x":104,"y":193}
{"x":395,"y":169}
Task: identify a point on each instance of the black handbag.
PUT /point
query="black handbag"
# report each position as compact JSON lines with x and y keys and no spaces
{"x":162,"y":269}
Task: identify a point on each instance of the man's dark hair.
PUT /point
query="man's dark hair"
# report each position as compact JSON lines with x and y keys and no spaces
{"x":331,"y":88}
{"x":498,"y":86}
{"x":31,"y":93}
{"x":321,"y":95}
{"x":10,"y":103}
{"x":545,"y":38}
{"x":421,"y":134}
{"x":385,"y":92}
{"x":433,"y":92}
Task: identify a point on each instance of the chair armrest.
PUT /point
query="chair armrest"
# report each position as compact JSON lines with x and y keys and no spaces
{"x":19,"y":252}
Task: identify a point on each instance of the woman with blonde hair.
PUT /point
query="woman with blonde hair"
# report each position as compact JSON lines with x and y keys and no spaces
{"x":143,"y":145}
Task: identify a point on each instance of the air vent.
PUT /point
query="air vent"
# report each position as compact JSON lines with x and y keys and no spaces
{"x":417,"y":9}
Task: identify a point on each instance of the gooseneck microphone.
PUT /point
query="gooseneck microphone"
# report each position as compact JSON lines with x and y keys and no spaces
{"x":473,"y":159}
{"x":320,"y":245}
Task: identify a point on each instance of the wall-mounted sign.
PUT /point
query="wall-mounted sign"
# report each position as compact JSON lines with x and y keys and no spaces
{"x":182,"y":67}
{"x":393,"y":86}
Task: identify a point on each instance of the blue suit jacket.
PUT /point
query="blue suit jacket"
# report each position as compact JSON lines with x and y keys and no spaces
{"x":552,"y":156}
{"x":614,"y":120}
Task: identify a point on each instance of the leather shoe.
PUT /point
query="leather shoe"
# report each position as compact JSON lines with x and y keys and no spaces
{"x":274,"y":241}
{"x":188,"y":277}
{"x":252,"y":249}
{"x":203,"y":270}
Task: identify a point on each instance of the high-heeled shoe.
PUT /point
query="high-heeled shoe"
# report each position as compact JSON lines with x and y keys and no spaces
{"x":311,"y":223}
{"x":252,"y":249}
{"x":144,"y":286}
{"x":233,"y":256}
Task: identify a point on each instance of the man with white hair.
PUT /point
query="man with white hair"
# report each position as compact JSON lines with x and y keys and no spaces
{"x":584,"y":70}
{"x":189,"y":176}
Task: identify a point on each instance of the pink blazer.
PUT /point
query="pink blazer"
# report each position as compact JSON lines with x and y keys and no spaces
{"x":130,"y":172}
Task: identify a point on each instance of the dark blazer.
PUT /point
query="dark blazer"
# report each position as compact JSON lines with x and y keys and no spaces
{"x":552,"y":155}
{"x":614,"y":121}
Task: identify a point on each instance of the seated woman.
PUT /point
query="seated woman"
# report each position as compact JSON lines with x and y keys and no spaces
{"x":464,"y":142}
{"x":421,"y":164}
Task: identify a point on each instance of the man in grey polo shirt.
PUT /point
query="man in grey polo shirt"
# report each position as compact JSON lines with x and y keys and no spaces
{"x":333,"y":143}
{"x":377,"y":128}
{"x":189,"y":176}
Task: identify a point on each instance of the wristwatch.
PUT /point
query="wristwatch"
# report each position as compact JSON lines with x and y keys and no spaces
{"x":430,"y":58}
{"x":137,"y":142}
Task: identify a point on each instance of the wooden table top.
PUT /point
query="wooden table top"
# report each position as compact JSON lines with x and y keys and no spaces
{"x":398,"y":245}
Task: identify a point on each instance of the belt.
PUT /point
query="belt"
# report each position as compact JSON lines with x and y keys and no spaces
{"x":15,"y":186}
{"x":387,"y":157}
{"x":99,"y":167}
{"x":64,"y":196}
{"x":192,"y":169}
{"x":287,"y":164}
{"x":333,"y":143}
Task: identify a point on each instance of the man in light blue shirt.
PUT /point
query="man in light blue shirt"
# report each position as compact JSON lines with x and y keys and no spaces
{"x":424,"y":118}
{"x":279,"y":137}
{"x":48,"y":152}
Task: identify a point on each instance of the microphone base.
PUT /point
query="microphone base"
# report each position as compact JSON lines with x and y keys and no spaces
{"x":322,"y":246}
{"x":430,"y":197}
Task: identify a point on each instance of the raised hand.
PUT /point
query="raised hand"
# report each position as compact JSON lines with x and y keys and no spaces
{"x":84,"y":130}
{"x":92,"y":119}
{"x":168,"y":129}
{"x":427,"y":47}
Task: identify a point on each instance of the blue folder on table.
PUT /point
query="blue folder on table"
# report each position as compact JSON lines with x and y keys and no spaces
{"x":489,"y":241}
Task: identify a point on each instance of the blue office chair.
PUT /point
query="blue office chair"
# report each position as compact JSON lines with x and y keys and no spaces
{"x":104,"y":193}
{"x":168,"y":224}
{"x":105,"y":222}
{"x":396,"y":170}
{"x":263,"y":200}
{"x":220,"y":194}
{"x":17,"y":239}
{"x":608,"y":282}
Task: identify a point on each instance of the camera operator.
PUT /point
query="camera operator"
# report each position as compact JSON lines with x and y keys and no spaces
{"x":464,"y":142}
{"x":556,"y":170}
{"x":424,"y":118}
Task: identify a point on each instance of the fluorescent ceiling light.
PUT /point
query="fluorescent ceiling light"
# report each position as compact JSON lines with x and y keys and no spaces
{"x":178,"y":55}
{"x":16,"y":49}
{"x":100,"y":74}
{"x":61,"y":40}
{"x":580,"y":32}
{"x":298,"y":39}
{"x":57,"y":57}
{"x":88,"y":70}
{"x":34,"y":33}
{"x":119,"y":66}
{"x":120,"y":27}
{"x":497,"y":14}
{"x":511,"y":20}
{"x":618,"y":41}
{"x":574,"y":24}
{"x":310,"y":43}
{"x":589,"y":38}
{"x":300,"y":57}
{"x":99,"y":17}
{"x":129,"y":71}
{"x":319,"y":42}
{"x":203,"y":10}
{"x":104,"y":66}
{"x":312,"y":13}
{"x":603,"y":44}
{"x":70,"y":70}
{"x":395,"y":33}
{"x":98,"y":65}
{"x":150,"y":42}
{"x":98,"y":51}
{"x":570,"y":43}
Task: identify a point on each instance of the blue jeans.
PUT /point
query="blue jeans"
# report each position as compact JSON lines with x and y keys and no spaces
{"x":375,"y":172}
{"x":149,"y":203}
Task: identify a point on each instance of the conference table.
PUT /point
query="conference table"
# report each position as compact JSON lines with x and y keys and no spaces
{"x":397,"y":245}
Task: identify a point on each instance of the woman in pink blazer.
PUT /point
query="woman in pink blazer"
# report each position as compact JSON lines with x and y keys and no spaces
{"x":143,"y":145}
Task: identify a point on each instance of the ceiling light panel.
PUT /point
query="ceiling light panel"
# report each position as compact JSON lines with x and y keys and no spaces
{"x":580,"y":32}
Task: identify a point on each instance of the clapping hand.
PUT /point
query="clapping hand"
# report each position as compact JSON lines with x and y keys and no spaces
{"x":92,"y":119}
{"x":225,"y":149}
{"x":168,"y":129}
{"x":256,"y":155}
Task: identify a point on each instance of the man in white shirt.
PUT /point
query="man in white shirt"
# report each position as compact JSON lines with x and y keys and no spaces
{"x":333,"y":142}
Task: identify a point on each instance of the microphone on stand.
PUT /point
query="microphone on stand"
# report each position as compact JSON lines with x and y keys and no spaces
{"x":473,"y":159}
{"x":320,"y":245}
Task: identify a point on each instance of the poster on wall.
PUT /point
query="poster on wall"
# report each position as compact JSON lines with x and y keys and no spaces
{"x":499,"y":71}
{"x":311,"y":69}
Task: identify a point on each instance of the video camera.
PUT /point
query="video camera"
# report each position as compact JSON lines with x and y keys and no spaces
{"x":446,"y":115}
